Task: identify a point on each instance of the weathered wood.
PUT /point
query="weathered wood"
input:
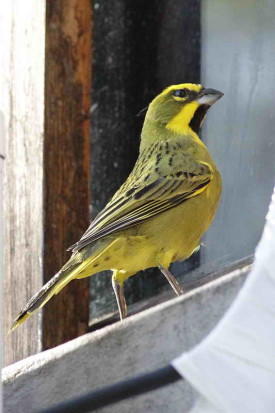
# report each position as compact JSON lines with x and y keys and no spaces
{"x":66,"y":159}
{"x":2,"y":158}
{"x":22,"y":31}
{"x":47,"y":167}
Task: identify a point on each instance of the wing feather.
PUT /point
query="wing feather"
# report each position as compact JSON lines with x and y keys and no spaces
{"x":142,"y":202}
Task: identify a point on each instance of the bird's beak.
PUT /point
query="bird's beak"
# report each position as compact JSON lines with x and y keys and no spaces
{"x":208,"y":96}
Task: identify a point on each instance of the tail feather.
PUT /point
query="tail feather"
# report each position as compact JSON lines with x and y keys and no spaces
{"x":80,"y":265}
{"x":52,"y":287}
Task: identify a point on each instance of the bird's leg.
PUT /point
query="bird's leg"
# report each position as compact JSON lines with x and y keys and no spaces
{"x":121,"y":303}
{"x":171,"y":279}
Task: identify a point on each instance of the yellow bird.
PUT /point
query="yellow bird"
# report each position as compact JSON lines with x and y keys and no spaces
{"x":160,"y":213}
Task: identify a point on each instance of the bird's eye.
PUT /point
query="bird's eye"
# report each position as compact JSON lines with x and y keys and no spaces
{"x":180,"y":93}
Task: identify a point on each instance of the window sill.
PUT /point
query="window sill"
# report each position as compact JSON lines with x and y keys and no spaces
{"x":194,"y":279}
{"x":143,"y":342}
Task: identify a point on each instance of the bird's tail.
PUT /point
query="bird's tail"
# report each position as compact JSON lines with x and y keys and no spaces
{"x":56,"y":283}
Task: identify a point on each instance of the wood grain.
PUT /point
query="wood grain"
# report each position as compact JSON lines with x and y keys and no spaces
{"x":66,"y":159}
{"x":22,"y":30}
{"x":45,"y":100}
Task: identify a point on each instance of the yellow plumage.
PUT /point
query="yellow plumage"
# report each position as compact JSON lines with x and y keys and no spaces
{"x":160,"y":213}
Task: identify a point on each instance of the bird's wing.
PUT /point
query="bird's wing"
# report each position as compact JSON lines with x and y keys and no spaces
{"x":142,"y":201}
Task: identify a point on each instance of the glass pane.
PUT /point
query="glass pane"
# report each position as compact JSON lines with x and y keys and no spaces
{"x":238,"y":58}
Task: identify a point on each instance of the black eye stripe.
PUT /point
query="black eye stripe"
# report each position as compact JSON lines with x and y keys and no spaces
{"x":180,"y":93}
{"x":189,"y":95}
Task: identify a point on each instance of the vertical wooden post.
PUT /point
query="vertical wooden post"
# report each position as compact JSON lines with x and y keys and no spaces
{"x":66,"y":159}
{"x":45,"y":103}
{"x":2,"y":158}
{"x":22,"y":30}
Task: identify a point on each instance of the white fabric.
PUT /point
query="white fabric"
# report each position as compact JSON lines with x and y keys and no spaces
{"x":234,"y":367}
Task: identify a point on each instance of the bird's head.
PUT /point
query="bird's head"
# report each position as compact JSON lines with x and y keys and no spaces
{"x":182,"y":108}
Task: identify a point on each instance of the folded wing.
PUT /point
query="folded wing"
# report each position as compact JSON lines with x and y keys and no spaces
{"x":141,"y":202}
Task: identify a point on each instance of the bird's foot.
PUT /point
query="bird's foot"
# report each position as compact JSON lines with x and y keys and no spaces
{"x":171,"y":279}
{"x":120,"y":298}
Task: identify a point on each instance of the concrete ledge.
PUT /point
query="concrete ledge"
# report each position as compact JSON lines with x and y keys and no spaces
{"x":141,"y":343}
